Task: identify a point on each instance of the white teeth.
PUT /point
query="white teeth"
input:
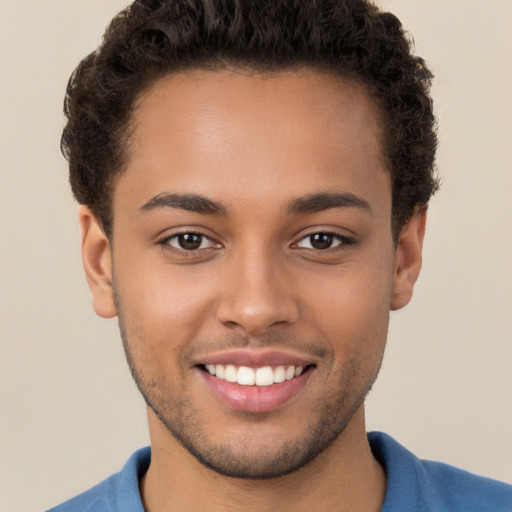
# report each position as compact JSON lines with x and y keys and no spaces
{"x":219,"y":371}
{"x":279,"y":374}
{"x":230,"y":374}
{"x":264,"y":376}
{"x":246,"y":376}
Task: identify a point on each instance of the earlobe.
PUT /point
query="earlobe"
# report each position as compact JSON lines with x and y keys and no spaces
{"x":97,"y":261}
{"x":408,"y":259}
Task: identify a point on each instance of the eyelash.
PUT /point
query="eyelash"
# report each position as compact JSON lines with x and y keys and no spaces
{"x":343,"y":242}
{"x":187,"y":252}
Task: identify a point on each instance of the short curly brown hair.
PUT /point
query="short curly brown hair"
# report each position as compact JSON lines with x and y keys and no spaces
{"x":153,"y":38}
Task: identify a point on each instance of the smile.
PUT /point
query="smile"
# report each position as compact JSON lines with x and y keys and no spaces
{"x":255,"y":389}
{"x":247,"y":376}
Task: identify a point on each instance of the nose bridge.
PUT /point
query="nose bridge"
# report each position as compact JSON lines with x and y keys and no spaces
{"x":256,"y":293}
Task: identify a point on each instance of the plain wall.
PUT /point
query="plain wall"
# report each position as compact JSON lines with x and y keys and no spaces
{"x":70,"y":414}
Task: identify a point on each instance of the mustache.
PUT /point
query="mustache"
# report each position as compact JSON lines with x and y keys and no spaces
{"x":274,"y":341}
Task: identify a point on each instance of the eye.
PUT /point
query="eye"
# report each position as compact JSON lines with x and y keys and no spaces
{"x":322,"y":241}
{"x":189,"y":241}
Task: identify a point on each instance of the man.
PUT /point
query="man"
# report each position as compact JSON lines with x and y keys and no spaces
{"x":254,"y":179}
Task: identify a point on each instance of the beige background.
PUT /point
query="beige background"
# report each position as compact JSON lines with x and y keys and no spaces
{"x":70,"y":414}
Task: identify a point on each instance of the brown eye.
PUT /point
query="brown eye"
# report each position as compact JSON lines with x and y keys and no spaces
{"x":189,"y":241}
{"x":321,"y":240}
{"x":324,"y":240}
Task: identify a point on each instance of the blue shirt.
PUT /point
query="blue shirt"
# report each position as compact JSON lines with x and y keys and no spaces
{"x":413,"y":485}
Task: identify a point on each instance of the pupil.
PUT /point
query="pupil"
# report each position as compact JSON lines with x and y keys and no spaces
{"x":321,"y":241}
{"x":190,"y":241}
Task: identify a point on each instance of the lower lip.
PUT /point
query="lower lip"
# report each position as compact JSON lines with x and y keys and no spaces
{"x":255,"y":398}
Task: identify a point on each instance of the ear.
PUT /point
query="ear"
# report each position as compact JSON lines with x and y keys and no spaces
{"x":97,"y":261}
{"x":408,"y":258}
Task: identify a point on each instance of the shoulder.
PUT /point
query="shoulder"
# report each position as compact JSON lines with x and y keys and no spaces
{"x":434,"y":486}
{"x":119,"y":492}
{"x":470,"y":492}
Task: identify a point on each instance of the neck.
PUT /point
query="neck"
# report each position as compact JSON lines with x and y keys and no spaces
{"x":343,"y":477}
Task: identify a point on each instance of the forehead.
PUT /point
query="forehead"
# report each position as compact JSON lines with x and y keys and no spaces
{"x":234,"y":135}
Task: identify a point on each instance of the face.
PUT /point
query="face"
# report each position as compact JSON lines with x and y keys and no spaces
{"x":253,"y":265}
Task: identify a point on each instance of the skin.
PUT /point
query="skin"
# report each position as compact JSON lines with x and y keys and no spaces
{"x":255,"y":144}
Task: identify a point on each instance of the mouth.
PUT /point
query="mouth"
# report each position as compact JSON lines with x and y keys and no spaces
{"x":262,"y":376}
{"x":254,"y":383}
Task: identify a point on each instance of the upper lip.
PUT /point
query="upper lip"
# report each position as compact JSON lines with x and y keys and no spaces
{"x":256,"y":359}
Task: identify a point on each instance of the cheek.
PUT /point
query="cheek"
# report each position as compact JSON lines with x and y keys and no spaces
{"x":161,"y":306}
{"x":351,"y":308}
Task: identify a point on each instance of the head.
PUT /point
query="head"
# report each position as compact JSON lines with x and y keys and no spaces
{"x":155,"y":38}
{"x":254,"y":186}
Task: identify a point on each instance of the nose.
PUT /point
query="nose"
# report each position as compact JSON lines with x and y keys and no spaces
{"x":257,"y":295}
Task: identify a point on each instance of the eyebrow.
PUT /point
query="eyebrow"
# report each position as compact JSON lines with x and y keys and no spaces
{"x":306,"y":204}
{"x":324,"y":201}
{"x":189,"y":202}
